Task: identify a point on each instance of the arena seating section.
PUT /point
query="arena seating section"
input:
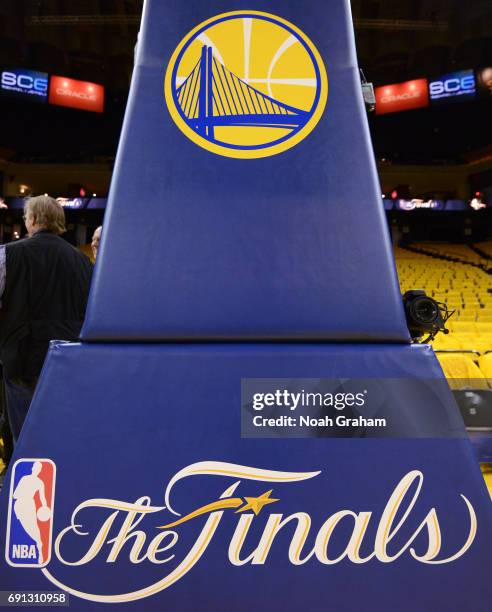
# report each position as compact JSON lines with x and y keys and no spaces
{"x":463,"y":283}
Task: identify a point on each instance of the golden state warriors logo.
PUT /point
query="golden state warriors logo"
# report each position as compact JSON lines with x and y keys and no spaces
{"x":246,"y":84}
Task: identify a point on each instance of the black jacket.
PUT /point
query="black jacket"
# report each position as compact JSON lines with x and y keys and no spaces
{"x":45,"y":298}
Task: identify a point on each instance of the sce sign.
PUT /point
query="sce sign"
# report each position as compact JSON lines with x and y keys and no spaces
{"x":456,"y":84}
{"x":26,"y":82}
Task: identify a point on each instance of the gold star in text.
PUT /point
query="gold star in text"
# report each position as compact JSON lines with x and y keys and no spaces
{"x":257,"y":503}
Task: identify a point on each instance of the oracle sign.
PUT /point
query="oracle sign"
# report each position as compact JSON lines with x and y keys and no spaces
{"x":76,"y":94}
{"x":401,"y":96}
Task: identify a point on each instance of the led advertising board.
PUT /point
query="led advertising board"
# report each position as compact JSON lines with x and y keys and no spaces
{"x":69,"y":203}
{"x":453,"y":87}
{"x":76,"y":94}
{"x":23,"y":83}
{"x":418,"y":203}
{"x":401,"y":96}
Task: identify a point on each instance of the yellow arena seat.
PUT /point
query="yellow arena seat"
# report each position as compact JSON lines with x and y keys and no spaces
{"x":487,"y":474}
{"x":461,"y":371}
{"x":485,"y":364}
{"x":463,"y":288}
{"x":485,"y":327}
{"x":462,"y":327}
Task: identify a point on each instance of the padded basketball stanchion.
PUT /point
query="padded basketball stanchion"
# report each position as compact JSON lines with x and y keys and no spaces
{"x":158,"y":432}
{"x":289,"y":246}
{"x":314,"y":458}
{"x":482,"y":445}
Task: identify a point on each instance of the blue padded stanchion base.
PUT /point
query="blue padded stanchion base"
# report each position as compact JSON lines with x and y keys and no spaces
{"x":482,"y":443}
{"x":293,"y":246}
{"x":160,"y":426}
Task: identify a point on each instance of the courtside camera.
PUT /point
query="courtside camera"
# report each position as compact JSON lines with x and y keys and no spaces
{"x":425,"y":316}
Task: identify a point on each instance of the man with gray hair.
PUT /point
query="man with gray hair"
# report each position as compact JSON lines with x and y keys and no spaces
{"x":44,"y":285}
{"x":96,"y":239}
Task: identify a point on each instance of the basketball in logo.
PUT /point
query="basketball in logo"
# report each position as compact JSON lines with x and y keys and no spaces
{"x":30,"y":514}
{"x":246,"y":84}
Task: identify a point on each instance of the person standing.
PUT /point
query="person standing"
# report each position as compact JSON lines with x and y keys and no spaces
{"x":44,"y":286}
{"x":96,"y":239}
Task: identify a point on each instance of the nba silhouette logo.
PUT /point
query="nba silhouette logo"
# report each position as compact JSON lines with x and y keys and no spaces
{"x":30,"y":513}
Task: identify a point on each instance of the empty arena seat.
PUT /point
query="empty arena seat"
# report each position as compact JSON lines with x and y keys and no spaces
{"x":461,"y":371}
{"x":487,"y":474}
{"x":466,"y":327}
{"x":485,"y":363}
{"x":463,"y":288}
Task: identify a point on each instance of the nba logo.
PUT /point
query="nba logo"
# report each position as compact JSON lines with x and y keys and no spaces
{"x":30,"y":515}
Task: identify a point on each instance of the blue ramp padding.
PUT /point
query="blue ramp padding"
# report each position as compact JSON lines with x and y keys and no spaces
{"x":482,"y":443}
{"x":198,"y":244}
{"x":132,"y":429}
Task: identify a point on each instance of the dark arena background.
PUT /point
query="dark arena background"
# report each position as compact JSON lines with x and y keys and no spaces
{"x":295,"y":196}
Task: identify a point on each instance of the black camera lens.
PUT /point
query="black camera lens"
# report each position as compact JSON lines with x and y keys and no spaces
{"x":425,"y":316}
{"x":425,"y":310}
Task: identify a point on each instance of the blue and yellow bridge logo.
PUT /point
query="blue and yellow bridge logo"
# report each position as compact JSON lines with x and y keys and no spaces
{"x":246,"y":84}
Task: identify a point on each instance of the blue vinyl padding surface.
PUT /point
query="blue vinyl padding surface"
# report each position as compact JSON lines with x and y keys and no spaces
{"x":482,"y":444}
{"x":146,"y":412}
{"x":293,"y":246}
